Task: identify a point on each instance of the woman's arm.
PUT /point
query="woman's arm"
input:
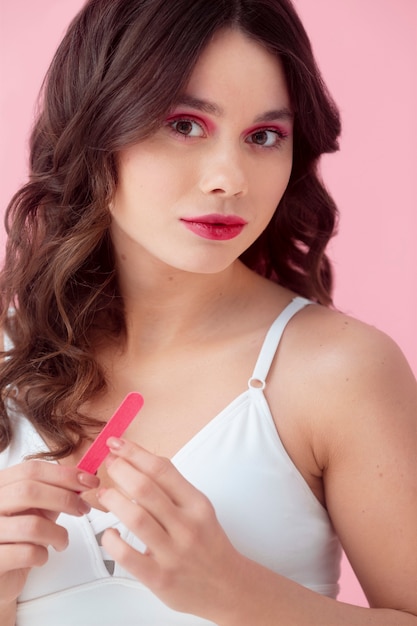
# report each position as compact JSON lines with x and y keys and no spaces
{"x":8,"y":613}
{"x":365,"y":440}
{"x":368,"y":451}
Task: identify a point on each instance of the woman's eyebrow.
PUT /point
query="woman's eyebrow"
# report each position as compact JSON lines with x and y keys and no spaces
{"x":206,"y":106}
{"x":276,"y":114}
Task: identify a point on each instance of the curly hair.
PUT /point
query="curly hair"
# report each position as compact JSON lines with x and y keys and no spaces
{"x":120,"y":67}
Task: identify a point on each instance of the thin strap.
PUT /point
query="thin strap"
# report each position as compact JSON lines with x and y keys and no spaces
{"x":5,"y":341}
{"x":272,"y":340}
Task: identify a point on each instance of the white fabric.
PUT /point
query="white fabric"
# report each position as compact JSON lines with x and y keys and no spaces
{"x":261,"y":500}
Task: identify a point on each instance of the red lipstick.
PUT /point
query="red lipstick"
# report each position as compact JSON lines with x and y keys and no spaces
{"x":215,"y":226}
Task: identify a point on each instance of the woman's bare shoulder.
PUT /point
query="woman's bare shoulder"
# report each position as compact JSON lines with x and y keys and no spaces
{"x":343,"y":347}
{"x":357,"y":396}
{"x":346,"y":369}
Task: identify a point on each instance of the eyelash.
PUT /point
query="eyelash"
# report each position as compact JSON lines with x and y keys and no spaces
{"x":280,"y":137}
{"x":189,"y":120}
{"x":280,"y":134}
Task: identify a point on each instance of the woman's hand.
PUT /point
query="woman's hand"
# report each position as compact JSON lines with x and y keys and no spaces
{"x":32,"y":495}
{"x":189,"y":563}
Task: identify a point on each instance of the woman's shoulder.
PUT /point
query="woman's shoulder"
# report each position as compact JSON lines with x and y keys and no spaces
{"x":340,"y":345}
{"x":345,"y":368}
{"x":331,"y":348}
{"x":24,"y":437}
{"x":355,"y":403}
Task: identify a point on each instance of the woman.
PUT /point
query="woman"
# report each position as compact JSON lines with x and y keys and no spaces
{"x":172,"y":241}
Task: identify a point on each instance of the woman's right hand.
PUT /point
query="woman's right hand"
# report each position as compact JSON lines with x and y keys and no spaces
{"x":32,"y":495}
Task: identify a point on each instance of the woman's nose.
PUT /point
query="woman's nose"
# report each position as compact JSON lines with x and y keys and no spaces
{"x":224,"y":172}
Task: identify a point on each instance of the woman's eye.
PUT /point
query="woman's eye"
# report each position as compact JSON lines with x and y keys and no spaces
{"x":188,"y":128}
{"x":266,"y":138}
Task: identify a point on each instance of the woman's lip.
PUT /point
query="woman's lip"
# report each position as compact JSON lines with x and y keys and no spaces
{"x":215,"y":230}
{"x":217,"y":219}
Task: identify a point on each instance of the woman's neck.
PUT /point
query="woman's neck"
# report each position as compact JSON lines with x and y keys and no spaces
{"x":178,"y":307}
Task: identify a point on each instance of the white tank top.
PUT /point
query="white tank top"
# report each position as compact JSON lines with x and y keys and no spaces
{"x":261,"y":499}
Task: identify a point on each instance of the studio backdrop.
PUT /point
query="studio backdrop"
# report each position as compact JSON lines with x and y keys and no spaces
{"x":367,"y":50}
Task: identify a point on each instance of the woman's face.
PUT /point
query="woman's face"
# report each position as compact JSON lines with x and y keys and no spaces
{"x":198,"y":192}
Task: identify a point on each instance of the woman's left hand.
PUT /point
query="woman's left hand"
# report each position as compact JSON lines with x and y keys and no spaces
{"x":189,"y":563}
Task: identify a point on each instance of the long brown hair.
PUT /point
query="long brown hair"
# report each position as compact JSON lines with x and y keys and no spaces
{"x":119,"y":69}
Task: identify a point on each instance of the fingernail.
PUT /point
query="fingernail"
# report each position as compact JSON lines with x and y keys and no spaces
{"x":88,"y":480}
{"x":114,"y":443}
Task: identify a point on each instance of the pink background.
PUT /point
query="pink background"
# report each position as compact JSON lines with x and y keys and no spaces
{"x":368,"y":54}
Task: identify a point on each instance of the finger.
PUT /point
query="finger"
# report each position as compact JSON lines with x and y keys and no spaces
{"x":159,"y":469}
{"x":17,"y":556}
{"x":142,"y":489}
{"x":136,"y":518}
{"x":18,"y":497}
{"x":142,"y":566}
{"x":12,"y":583}
{"x":49,"y":473}
{"x":33,"y":529}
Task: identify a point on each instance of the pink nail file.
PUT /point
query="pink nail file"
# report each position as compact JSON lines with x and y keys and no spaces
{"x":115,"y":427}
